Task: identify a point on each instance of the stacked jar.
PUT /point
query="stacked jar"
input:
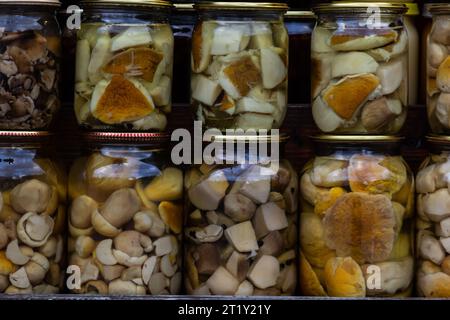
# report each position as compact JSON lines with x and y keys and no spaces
{"x":125,"y":216}
{"x":357,"y":194}
{"x":241,"y":204}
{"x":124,"y":62}
{"x":33,"y":183}
{"x":432,"y":192}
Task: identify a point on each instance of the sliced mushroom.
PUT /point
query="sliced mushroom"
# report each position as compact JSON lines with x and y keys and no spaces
{"x":131,"y":273}
{"x":142,"y":221}
{"x":15,"y":290}
{"x":264,"y":272}
{"x":207,"y":194}
{"x":269,"y":217}
{"x":31,"y":196}
{"x":120,"y":287}
{"x":272,"y":244}
{"x":431,"y":249}
{"x":128,"y":261}
{"x":245,"y":289}
{"x":20,"y":279}
{"x":54,"y":276}
{"x":164,"y":246}
{"x":256,"y":184}
{"x":110,"y":273}
{"x":175,"y":283}
{"x":242,"y":237}
{"x":238,"y":265}
{"x":34,"y":230}
{"x":96,"y":287}
{"x":90,"y":272}
{"x":104,"y":253}
{"x":168,"y":268}
{"x":210,"y":233}
{"x":14,"y":254}
{"x":148,"y":268}
{"x":222,"y":282}
{"x":158,"y":282}
{"x":35,"y":272}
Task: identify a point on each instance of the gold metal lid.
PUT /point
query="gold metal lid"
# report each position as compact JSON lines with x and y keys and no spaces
{"x":359,"y":7}
{"x":184,"y":6}
{"x":246,"y":138}
{"x":439,"y":8}
{"x":223,"y":5}
{"x":300,"y":14}
{"x":432,"y":138}
{"x":131,"y":3}
{"x":127,"y":137}
{"x":356,"y":139}
{"x":53,"y":3}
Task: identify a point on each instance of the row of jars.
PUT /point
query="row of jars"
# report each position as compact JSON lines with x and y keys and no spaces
{"x":127,"y":221}
{"x":239,"y":68}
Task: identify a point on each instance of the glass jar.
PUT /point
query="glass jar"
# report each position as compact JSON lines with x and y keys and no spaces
{"x":438,"y":64}
{"x":300,"y":25}
{"x":125,"y":218}
{"x":240,"y":65}
{"x":124,"y":62}
{"x":357,"y":198}
{"x":360,"y":68}
{"x":241,"y":223}
{"x":32,"y":216}
{"x":183,"y":20}
{"x":432,"y":224}
{"x":30,"y":49}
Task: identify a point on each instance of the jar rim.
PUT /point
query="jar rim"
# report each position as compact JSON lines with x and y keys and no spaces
{"x":356,"y":139}
{"x":439,"y":8}
{"x":128,"y":3}
{"x":359,"y":7}
{"x":438,"y":139}
{"x":300,"y":14}
{"x":141,"y":138}
{"x":280,"y":138}
{"x":223,"y":5}
{"x":53,"y":3}
{"x":184,"y":6}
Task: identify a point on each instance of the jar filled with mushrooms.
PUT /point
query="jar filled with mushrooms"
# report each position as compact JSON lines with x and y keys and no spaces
{"x":357,"y":199}
{"x":30,"y":50}
{"x":360,"y":68}
{"x":438,"y":70}
{"x":125,"y":216}
{"x":32,"y":215}
{"x":240,"y":65}
{"x":124,"y":62}
{"x":241,"y":224}
{"x":433,"y":221}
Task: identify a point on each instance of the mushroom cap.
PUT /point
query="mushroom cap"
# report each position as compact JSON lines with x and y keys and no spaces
{"x":31,"y":196}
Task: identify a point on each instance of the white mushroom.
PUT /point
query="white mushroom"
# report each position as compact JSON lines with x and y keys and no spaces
{"x":120,"y":287}
{"x":222,"y":282}
{"x":245,"y":289}
{"x":84,"y":246}
{"x":120,"y":207}
{"x":34,"y":230}
{"x":207,"y":194}
{"x":49,"y":248}
{"x":81,"y":211}
{"x":148,"y":268}
{"x":238,"y":265}
{"x":102,"y":226}
{"x":255,"y":184}
{"x":110,"y":273}
{"x":131,"y":274}
{"x":242,"y":237}
{"x":431,"y":249}
{"x":3,"y":236}
{"x":129,"y":242}
{"x":238,"y":207}
{"x":264,"y":272}
{"x":436,"y":205}
{"x":175,"y":283}
{"x":90,"y":272}
{"x":15,"y":255}
{"x":158,"y":282}
{"x":164,"y":246}
{"x":167,"y":267}
{"x":31,"y":196}
{"x":20,"y":279}
{"x":210,"y":233}
{"x":142,"y":222}
{"x":269,"y":217}
{"x":128,"y":261}
{"x":104,"y":253}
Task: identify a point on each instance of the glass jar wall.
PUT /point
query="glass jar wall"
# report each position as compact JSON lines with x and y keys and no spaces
{"x":30,"y":50}
{"x":356,"y":223}
{"x":124,"y":65}
{"x":32,"y":215}
{"x":359,"y":69}
{"x":240,"y":65}
{"x":125,"y":217}
{"x":241,"y":225}
{"x":433,"y":249}
{"x":438,"y":66}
